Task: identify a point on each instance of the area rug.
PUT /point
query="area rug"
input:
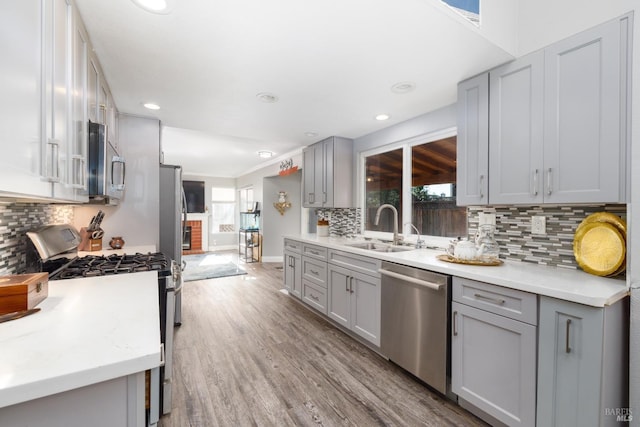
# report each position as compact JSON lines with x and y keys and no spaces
{"x":209,"y":266}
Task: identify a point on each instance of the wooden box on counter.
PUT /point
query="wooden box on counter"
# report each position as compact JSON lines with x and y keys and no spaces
{"x":22,"y":291}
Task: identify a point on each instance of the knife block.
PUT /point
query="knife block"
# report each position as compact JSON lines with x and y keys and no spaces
{"x":87,"y":243}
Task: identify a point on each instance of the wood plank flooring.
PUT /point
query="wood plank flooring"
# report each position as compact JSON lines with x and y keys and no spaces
{"x":249,"y":355}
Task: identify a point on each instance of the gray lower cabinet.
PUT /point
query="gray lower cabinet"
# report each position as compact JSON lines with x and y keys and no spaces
{"x":293,"y":273}
{"x":354,"y":302}
{"x":582,"y":364}
{"x":493,"y":351}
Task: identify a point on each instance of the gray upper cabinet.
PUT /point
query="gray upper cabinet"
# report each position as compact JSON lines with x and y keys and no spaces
{"x":328,"y":174}
{"x":586,"y":115}
{"x":473,"y":141}
{"x":515,"y":131}
{"x":582,"y":363}
{"x":558,"y":124}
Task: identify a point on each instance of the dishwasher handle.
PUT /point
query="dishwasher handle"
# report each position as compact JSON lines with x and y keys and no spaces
{"x":430,"y":285}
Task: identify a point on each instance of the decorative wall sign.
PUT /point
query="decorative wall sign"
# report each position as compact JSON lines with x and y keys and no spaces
{"x":287,"y":167}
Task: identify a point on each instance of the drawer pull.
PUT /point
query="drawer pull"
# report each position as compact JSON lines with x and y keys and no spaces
{"x":314,"y":252}
{"x":567,"y":347}
{"x":315,"y":273}
{"x":351,"y":284}
{"x":313,"y":297}
{"x":486,"y":298}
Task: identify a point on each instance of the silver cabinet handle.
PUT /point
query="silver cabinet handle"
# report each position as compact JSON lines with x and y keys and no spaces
{"x":535,"y":183}
{"x":455,"y":324}
{"x":324,"y":197}
{"x":52,"y":173}
{"x":549,"y":186}
{"x":312,"y":198}
{"x":484,"y":297}
{"x":313,"y":297}
{"x":78,"y":176}
{"x":481,"y":186}
{"x":351,"y":284}
{"x":315,"y":273}
{"x":314,"y":252}
{"x":162,"y":355}
{"x":346,"y":283}
{"x":567,"y":348}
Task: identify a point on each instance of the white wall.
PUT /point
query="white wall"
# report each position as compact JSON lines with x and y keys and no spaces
{"x":136,"y":218}
{"x":275,"y":226}
{"x":543,"y":22}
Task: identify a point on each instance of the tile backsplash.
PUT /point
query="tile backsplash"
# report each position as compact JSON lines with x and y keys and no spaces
{"x":517,"y":243}
{"x":342,"y":222}
{"x":18,"y":218}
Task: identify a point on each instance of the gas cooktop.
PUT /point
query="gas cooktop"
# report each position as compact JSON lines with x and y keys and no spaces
{"x":97,"y":265}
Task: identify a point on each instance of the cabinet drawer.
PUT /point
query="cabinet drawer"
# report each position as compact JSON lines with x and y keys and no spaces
{"x":317,"y":252}
{"x":315,"y":271}
{"x":353,"y":262}
{"x":512,"y":303}
{"x":293,"y":246}
{"x":314,"y":296}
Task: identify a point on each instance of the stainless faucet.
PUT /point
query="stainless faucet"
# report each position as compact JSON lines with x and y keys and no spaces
{"x":396,"y":238}
{"x":419,"y":243}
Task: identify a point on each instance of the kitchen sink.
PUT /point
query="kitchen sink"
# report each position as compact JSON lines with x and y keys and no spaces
{"x":380,"y":247}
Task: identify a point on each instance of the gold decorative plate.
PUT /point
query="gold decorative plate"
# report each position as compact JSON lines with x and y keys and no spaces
{"x":606,"y":217}
{"x":599,"y":248}
{"x":487,"y":262}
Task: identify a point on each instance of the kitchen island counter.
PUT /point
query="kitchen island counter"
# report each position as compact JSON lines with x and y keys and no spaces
{"x":562,"y":283}
{"x":89,"y":331}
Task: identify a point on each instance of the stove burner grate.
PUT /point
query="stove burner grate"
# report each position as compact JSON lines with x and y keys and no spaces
{"x":97,"y":265}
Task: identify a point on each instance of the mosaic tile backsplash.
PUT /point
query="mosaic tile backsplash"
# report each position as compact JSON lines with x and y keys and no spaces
{"x":342,"y":222}
{"x":517,"y":243}
{"x":18,"y":218}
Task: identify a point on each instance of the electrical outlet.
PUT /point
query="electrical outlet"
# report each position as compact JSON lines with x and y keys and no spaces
{"x":486,"y":218}
{"x":538,"y":225}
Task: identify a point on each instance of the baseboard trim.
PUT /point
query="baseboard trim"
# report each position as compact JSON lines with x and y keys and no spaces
{"x":273,"y":258}
{"x":220,"y":248}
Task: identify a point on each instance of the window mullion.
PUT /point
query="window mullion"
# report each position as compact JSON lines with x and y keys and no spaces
{"x":407,"y":203}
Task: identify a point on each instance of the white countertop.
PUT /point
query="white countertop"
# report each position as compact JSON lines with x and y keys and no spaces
{"x":566,"y":284}
{"x":89,"y":330}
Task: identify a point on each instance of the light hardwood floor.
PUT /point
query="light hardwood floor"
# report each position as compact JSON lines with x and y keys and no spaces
{"x":249,"y":355}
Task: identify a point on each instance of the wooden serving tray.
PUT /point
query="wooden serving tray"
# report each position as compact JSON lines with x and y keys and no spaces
{"x":454,"y":260}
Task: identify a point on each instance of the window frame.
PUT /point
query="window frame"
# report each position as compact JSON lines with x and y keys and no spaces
{"x":225,"y":202}
{"x":406,"y":144}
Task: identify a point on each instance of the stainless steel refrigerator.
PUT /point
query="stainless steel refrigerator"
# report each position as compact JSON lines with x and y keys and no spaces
{"x":173,"y":219}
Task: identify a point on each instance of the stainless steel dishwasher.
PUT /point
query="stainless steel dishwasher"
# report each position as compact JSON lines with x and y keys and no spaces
{"x":415,"y":322}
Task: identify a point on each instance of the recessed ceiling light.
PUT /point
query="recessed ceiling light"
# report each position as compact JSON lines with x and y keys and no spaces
{"x":265,"y":154}
{"x":311,"y":134}
{"x":267,"y":97}
{"x":153,"y":6}
{"x":382,"y":117}
{"x":151,"y":106}
{"x":403,"y":87}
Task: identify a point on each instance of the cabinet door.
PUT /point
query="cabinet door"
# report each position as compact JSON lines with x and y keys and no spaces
{"x":79,"y":114}
{"x":569,"y":364}
{"x":93,"y":78}
{"x":309,"y":198}
{"x":365,"y":306}
{"x":515,"y":131}
{"x":21,"y":69}
{"x":327,"y":172}
{"x":493,"y":364}
{"x":585,"y":115}
{"x":338,"y":305}
{"x":473,"y":141}
{"x":293,"y":274}
{"x":58,"y":98}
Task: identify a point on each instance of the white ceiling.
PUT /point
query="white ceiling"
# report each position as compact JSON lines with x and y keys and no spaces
{"x":330,"y":62}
